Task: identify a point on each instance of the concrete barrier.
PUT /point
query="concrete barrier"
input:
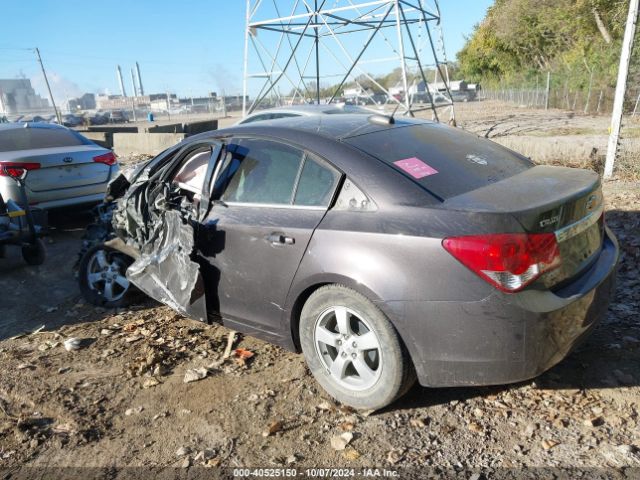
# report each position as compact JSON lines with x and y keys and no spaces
{"x":146,"y":143}
{"x":193,"y":128}
{"x":165,"y":128}
{"x":104,"y":139}
{"x":114,"y":128}
{"x":189,"y":128}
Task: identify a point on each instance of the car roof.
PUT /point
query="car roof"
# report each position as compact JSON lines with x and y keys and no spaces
{"x":335,"y":127}
{"x":43,"y":125}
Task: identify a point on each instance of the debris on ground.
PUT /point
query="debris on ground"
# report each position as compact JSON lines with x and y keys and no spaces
{"x":195,"y":374}
{"x":340,"y":442}
{"x":274,"y":427}
{"x":71,"y":344}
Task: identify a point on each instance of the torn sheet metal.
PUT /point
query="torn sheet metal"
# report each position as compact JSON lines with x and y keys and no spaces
{"x":165,"y":270}
{"x":154,"y":220}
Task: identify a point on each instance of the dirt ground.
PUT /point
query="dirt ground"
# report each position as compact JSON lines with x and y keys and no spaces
{"x":121,"y":400}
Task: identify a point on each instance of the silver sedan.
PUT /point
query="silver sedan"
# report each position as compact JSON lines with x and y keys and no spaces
{"x":64,"y":167}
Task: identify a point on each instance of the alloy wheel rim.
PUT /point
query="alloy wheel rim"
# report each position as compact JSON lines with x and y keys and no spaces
{"x":106,"y":275}
{"x":348,"y":347}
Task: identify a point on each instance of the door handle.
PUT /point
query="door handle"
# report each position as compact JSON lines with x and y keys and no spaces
{"x":279,"y":238}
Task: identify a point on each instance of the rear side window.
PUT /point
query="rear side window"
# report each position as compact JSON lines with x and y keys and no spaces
{"x":445,"y":161}
{"x":316,"y":185}
{"x":35,"y":138}
{"x":260,"y":171}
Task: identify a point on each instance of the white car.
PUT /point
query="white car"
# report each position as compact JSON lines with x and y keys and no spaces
{"x":64,"y":167}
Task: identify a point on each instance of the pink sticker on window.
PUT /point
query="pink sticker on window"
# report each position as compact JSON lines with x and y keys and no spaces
{"x":415,"y":167}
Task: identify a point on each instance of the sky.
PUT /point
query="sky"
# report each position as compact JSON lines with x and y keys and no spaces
{"x":190,"y":47}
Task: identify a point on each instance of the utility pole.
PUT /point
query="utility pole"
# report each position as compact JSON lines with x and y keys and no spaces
{"x":246,"y":58}
{"x":317,"y":27}
{"x":403,"y":59}
{"x":46,"y":80}
{"x":621,"y":87}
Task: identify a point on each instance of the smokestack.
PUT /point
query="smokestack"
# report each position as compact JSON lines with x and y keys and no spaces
{"x":133,"y":84}
{"x":139,"y":80}
{"x":122,"y":90}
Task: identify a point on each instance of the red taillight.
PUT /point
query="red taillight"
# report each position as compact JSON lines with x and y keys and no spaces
{"x":509,"y":261}
{"x":15,"y":169}
{"x":108,"y":158}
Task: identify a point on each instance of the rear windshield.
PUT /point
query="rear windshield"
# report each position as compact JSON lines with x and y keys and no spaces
{"x":446,"y":161}
{"x":34,"y":138}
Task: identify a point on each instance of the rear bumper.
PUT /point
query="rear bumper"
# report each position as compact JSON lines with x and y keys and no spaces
{"x":505,"y":338}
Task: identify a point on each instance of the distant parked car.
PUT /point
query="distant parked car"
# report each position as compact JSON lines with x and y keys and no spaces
{"x":99,"y":119}
{"x":463,"y":95}
{"x":72,"y":120}
{"x":64,"y":167}
{"x":302,"y":111}
{"x":118,"y":116}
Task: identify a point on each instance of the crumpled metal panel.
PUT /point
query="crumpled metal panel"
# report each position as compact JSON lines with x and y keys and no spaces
{"x":153,"y":220}
{"x":165,"y":270}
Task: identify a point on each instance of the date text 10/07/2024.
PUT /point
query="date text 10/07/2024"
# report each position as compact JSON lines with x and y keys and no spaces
{"x":314,"y":473}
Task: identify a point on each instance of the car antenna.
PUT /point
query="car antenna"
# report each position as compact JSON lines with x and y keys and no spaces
{"x":391,"y":119}
{"x":381,"y":119}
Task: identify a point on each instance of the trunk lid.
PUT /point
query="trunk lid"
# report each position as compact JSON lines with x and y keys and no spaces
{"x":62,"y":167}
{"x":565,"y":201}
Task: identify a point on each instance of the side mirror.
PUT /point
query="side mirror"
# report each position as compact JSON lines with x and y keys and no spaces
{"x":17,"y":173}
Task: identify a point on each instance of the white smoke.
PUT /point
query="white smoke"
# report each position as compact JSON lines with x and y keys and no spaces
{"x":61,"y":87}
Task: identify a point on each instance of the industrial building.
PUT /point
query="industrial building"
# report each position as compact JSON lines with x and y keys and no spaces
{"x":18,"y":96}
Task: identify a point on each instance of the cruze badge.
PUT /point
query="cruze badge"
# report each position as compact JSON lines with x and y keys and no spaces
{"x":549,"y":221}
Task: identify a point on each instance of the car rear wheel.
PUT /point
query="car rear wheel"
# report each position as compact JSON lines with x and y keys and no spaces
{"x":102,"y":277}
{"x":352,"y":349}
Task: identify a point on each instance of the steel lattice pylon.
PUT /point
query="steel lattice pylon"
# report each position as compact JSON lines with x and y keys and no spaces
{"x":297,"y":44}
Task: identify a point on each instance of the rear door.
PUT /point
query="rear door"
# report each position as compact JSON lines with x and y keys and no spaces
{"x":268,"y":198}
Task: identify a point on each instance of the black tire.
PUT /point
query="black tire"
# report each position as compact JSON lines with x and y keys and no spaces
{"x":35,"y":254}
{"x":94,"y":295}
{"x":396,"y":375}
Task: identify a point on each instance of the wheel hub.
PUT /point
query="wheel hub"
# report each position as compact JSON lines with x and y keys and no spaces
{"x":348,"y":347}
{"x":106,"y":275}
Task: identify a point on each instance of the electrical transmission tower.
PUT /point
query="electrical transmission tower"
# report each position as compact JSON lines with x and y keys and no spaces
{"x":303,"y":51}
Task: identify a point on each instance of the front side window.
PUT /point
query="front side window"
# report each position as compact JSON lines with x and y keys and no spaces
{"x":192,"y":171}
{"x":259,"y":171}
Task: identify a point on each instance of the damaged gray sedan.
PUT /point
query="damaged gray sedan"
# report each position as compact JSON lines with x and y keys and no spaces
{"x":385,"y":250}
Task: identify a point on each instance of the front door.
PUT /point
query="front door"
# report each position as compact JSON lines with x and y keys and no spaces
{"x":268,"y":199}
